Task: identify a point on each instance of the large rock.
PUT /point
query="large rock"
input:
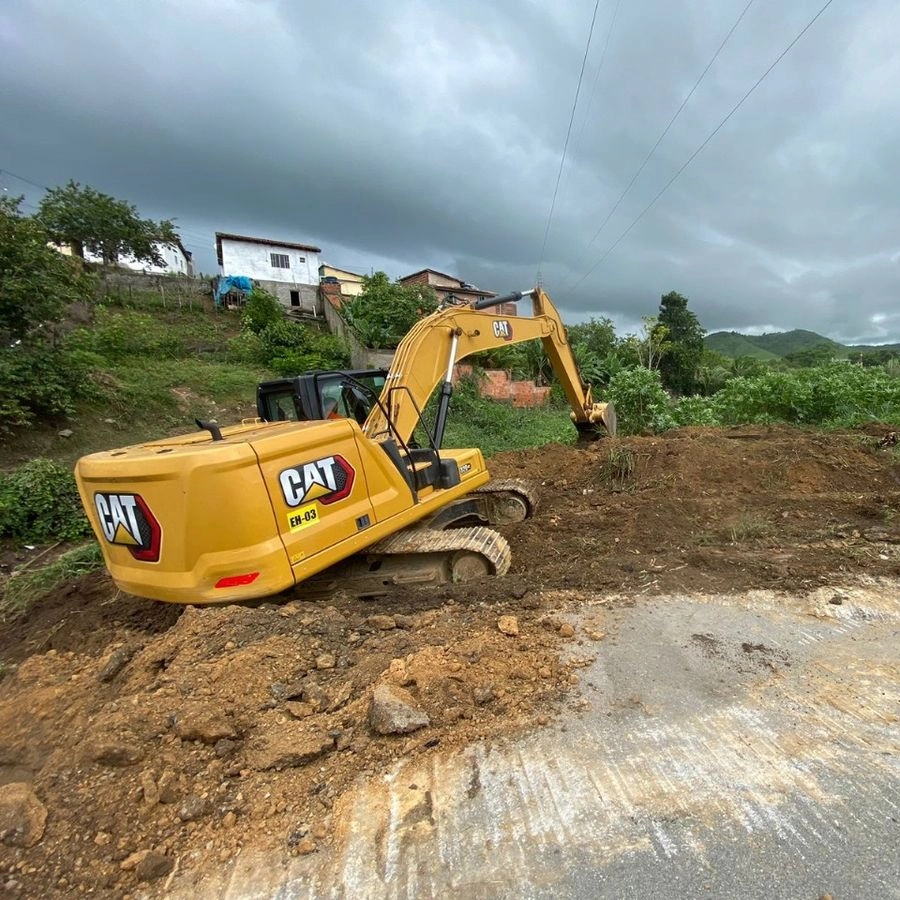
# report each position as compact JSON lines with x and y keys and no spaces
{"x":116,"y":661}
{"x":148,"y":865}
{"x":286,"y":746}
{"x":22,"y":815}
{"x":154,"y":865}
{"x":393,"y":711}
{"x":203,"y":722}
{"x":115,"y":750}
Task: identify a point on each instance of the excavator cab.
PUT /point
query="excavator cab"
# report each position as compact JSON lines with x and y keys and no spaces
{"x":320,"y":394}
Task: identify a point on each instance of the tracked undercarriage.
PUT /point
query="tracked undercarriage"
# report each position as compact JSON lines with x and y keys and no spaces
{"x":443,"y":548}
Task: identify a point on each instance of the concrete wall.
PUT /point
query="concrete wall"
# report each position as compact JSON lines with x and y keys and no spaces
{"x":255,"y":261}
{"x":299,"y":297}
{"x":175,"y":290}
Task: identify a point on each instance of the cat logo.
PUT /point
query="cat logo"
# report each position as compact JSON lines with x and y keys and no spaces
{"x":502,"y":329}
{"x":327,"y":480}
{"x":126,"y":520}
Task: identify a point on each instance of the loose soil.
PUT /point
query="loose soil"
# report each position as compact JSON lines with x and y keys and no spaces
{"x":197,"y":734}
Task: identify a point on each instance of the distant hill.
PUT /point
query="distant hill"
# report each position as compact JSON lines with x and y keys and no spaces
{"x":733,"y":345}
{"x":783,"y":343}
{"x":771,"y":346}
{"x":862,"y":348}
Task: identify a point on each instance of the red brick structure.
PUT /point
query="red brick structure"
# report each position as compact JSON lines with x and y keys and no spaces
{"x":449,"y":287}
{"x":498,"y":385}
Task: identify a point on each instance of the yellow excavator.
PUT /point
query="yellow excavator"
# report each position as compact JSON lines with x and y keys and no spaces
{"x":362,"y":502}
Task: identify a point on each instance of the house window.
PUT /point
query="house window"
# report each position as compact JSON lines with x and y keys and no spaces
{"x":302,"y":259}
{"x":280,"y":261}
{"x":295,"y":298}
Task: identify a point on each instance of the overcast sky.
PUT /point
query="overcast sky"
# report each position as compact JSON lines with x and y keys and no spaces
{"x":408,"y":134}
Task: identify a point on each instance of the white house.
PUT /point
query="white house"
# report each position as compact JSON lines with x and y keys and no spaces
{"x":178,"y":260}
{"x":290,"y":271}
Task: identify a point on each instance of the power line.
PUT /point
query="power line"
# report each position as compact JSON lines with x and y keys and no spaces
{"x":671,"y":122}
{"x":562,"y":160}
{"x":186,"y":232}
{"x":40,"y":187}
{"x":609,"y":32}
{"x":709,"y":137}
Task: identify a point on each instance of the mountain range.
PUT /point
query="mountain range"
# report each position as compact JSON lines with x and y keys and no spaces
{"x":782,"y":343}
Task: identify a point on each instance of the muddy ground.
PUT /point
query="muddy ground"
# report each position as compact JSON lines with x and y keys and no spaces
{"x":160,"y":740}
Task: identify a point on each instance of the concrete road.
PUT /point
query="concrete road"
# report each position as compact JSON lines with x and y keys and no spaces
{"x":743,"y":746}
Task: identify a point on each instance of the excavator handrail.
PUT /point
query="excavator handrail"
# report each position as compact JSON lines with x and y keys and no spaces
{"x":427,"y":355}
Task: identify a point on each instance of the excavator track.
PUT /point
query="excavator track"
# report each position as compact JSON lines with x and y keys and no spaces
{"x":414,"y":556}
{"x":507,"y":494}
{"x":500,"y":502}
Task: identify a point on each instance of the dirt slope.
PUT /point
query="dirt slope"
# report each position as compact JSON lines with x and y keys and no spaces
{"x":156,"y":737}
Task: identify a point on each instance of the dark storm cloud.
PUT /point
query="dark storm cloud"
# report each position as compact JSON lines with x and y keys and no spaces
{"x":418,"y":134}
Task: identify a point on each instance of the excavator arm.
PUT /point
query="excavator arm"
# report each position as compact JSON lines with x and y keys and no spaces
{"x":426,"y":356}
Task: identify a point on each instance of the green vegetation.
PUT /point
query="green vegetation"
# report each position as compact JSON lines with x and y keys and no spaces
{"x":27,"y":585}
{"x":734,"y":345}
{"x":837,"y":395}
{"x":641,"y":402}
{"x":38,"y":377}
{"x":39,"y":502}
{"x":683,"y":352}
{"x":288,"y":348}
{"x":86,"y":219}
{"x":385,"y":310}
{"x":778,"y":345}
{"x":493,"y":426}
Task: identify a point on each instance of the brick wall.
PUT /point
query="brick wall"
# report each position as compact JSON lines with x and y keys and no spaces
{"x":497,"y":384}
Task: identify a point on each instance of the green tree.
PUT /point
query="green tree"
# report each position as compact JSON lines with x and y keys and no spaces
{"x":678,"y":364}
{"x":713,"y":370}
{"x":386,"y":310}
{"x":820,"y":355}
{"x":37,"y":285}
{"x":36,"y":282}
{"x":746,"y":366}
{"x":87,"y":219}
{"x":596,"y":335}
{"x":647,"y":348}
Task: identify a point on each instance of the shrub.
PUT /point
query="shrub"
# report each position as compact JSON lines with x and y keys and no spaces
{"x":39,"y":502}
{"x":696,"y":411}
{"x":261,"y":310}
{"x":39,"y":379}
{"x":289,"y":348}
{"x":824,"y":395}
{"x":641,"y":401}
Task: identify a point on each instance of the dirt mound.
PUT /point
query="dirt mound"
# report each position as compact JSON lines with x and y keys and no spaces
{"x":153,"y":734}
{"x":708,"y":509}
{"x":241,"y":726}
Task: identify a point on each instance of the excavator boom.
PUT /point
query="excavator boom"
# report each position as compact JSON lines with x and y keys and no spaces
{"x":426,"y":356}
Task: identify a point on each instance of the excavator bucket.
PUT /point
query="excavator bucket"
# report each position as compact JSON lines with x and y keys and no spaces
{"x":601,"y":421}
{"x":607,"y":414}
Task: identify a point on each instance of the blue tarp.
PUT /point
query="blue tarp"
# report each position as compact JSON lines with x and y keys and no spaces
{"x":232,"y":283}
